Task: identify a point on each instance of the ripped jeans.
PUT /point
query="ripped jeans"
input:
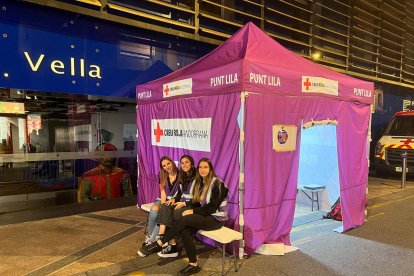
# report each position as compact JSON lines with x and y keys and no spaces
{"x":152,"y":227}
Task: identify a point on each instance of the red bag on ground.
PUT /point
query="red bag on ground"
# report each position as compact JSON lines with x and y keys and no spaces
{"x":335,"y":213}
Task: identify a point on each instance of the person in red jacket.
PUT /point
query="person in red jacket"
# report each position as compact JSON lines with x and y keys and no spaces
{"x":104,"y":181}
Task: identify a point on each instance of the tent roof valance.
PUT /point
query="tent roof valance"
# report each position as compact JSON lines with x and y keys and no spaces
{"x":253,"y":61}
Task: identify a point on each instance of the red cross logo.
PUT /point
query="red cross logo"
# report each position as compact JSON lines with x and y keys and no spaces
{"x":406,"y":144}
{"x":158,"y":133}
{"x":307,"y":83}
{"x":166,"y":90}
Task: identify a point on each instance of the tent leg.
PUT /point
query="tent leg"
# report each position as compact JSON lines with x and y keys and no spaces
{"x":241,"y":177}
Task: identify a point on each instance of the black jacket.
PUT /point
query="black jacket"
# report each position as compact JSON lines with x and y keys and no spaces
{"x":218,"y":194}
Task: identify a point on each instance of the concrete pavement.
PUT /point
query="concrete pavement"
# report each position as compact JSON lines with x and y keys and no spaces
{"x":105,"y":243}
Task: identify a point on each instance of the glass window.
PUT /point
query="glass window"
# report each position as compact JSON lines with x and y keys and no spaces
{"x":53,"y":145}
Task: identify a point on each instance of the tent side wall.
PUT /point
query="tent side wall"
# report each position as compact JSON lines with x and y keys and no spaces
{"x":177,"y":121}
{"x":271,"y":176}
{"x":353,"y":123}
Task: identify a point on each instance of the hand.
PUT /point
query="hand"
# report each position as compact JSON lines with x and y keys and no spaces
{"x":188,"y":212}
{"x":179,"y":205}
{"x":170,"y":202}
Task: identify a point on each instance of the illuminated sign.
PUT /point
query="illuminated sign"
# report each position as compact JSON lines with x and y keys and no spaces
{"x":12,"y":108}
{"x":34,"y":122}
{"x":77,"y":67}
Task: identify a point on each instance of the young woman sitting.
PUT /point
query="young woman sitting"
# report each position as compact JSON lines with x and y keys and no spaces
{"x":208,"y":212}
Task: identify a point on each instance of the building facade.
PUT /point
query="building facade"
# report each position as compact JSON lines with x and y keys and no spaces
{"x":69,"y":71}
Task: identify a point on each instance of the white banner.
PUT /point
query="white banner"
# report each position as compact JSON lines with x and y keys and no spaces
{"x":176,"y":88}
{"x":319,"y":85}
{"x":192,"y":134}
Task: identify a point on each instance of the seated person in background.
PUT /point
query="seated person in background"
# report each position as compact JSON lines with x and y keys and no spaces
{"x":104,"y":181}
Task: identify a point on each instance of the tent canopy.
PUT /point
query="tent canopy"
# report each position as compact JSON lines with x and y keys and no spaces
{"x":252,"y":61}
{"x":198,"y":110}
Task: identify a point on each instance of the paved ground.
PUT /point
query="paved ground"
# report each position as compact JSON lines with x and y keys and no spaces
{"x":105,"y":243}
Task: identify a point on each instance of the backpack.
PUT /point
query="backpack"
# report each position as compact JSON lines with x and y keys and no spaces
{"x":336,"y":212}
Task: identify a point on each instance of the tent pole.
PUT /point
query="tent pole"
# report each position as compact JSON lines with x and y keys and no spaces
{"x":369,"y":139}
{"x":241,"y":177}
{"x":137,"y":136}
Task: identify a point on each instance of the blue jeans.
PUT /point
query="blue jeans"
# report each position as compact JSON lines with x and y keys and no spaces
{"x":152,"y":226}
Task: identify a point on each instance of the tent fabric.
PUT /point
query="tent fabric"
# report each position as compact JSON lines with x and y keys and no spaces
{"x":253,"y":61}
{"x":270,"y":176}
{"x":283,"y":89}
{"x":223,"y":109}
{"x":264,"y":219}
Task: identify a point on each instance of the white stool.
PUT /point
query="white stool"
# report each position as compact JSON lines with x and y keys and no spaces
{"x":224,"y":236}
{"x":314,"y":190}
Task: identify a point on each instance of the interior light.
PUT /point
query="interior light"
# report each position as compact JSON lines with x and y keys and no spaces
{"x":316,"y":55}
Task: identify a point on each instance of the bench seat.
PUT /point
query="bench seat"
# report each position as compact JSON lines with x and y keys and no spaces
{"x":224,"y":235}
{"x":146,"y":207}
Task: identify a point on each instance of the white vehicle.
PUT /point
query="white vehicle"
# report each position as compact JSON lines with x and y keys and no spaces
{"x":398,"y":138}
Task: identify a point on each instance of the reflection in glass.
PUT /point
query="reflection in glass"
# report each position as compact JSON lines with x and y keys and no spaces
{"x":45,"y":152}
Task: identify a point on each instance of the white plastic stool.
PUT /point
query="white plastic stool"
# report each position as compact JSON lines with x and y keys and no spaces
{"x":314,"y":190}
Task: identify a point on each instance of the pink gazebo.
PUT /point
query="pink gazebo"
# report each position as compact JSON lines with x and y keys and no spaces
{"x":243,"y":106}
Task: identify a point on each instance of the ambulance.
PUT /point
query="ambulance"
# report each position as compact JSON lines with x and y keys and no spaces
{"x":398,"y":138}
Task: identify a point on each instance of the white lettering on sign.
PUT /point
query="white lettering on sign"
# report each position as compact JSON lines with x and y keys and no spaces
{"x":362,"y":92}
{"x":58,"y":66}
{"x":144,"y":94}
{"x":183,"y":133}
{"x":224,"y":79}
{"x":264,"y":79}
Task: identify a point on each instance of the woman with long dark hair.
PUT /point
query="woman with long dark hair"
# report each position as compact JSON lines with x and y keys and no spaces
{"x":208,"y":212}
{"x":169,"y":179}
{"x":172,"y":211}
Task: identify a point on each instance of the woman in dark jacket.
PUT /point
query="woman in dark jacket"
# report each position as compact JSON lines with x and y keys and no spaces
{"x":208,"y":212}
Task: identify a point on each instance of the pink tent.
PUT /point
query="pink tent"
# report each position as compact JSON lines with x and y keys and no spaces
{"x":243,"y":106}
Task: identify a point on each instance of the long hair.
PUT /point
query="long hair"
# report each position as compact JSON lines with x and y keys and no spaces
{"x":198,"y":195}
{"x":163,"y":174}
{"x":187,"y":177}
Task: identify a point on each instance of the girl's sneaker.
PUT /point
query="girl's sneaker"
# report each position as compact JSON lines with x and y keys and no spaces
{"x":149,"y":249}
{"x":146,"y":241}
{"x":169,"y":251}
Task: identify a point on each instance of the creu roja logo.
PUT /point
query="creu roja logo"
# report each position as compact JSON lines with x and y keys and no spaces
{"x":308,"y":84}
{"x":176,"y":87}
{"x":166,"y":90}
{"x":182,"y":133}
{"x":158,"y":132}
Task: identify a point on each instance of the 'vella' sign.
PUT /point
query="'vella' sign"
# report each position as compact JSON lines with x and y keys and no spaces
{"x":55,"y":60}
{"x":72,"y":66}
